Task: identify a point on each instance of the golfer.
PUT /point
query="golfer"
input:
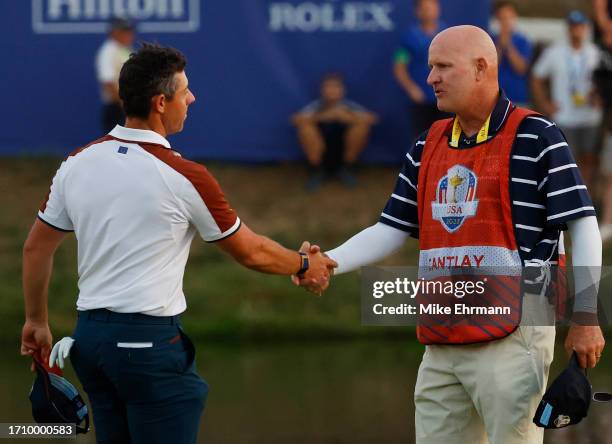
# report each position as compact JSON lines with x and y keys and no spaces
{"x":135,"y":204}
{"x":494,"y":186}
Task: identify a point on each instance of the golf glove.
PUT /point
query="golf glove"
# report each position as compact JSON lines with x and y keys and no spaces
{"x":60,"y":351}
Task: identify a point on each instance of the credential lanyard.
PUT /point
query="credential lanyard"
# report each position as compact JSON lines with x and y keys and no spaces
{"x":578,"y":71}
{"x":482,"y":136}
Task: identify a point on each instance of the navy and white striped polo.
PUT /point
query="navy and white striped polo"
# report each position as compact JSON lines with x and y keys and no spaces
{"x":546,"y":188}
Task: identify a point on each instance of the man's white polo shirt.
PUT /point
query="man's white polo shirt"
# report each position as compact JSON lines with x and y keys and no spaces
{"x":109,"y":59}
{"x":135,"y":205}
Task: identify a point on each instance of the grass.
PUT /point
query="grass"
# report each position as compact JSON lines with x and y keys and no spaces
{"x":225,"y":301}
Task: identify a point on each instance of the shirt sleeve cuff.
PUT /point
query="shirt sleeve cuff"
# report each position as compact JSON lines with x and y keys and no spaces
{"x":55,"y":225}
{"x":227,"y":233}
{"x":562,"y":220}
{"x":413,"y":231}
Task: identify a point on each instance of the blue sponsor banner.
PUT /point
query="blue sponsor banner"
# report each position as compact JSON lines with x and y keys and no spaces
{"x":91,"y":16}
{"x":252,"y":63}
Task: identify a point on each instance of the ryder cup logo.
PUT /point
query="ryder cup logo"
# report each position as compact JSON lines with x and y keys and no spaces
{"x":92,"y":16}
{"x":455,"y":198}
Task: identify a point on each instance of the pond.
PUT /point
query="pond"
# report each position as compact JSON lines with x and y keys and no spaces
{"x":328,"y":393}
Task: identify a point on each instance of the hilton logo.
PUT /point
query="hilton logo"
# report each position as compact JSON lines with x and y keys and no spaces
{"x":331,"y":16}
{"x":92,"y":16}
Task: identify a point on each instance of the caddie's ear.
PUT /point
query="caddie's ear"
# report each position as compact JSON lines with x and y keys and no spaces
{"x":480,"y":68}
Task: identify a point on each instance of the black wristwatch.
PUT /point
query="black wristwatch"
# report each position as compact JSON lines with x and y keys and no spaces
{"x":305,"y":264}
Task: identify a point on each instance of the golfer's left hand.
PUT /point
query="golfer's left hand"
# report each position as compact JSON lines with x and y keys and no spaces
{"x":588,"y":343}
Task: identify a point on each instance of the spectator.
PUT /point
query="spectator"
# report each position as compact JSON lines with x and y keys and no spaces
{"x":570,"y":67}
{"x":333,"y":131}
{"x":111,"y":56}
{"x":603,"y":78}
{"x":411,"y":66}
{"x":514,"y":51}
{"x":602,"y":10}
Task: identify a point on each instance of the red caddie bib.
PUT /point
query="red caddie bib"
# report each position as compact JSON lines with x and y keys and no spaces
{"x":465,"y":220}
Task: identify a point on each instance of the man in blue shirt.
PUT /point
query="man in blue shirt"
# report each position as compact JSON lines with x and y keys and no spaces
{"x":514,"y":51}
{"x":411,"y":66}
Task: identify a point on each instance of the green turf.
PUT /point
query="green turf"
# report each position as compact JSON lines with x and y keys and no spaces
{"x":225,"y":301}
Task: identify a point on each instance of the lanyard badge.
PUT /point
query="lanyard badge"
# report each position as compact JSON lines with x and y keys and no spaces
{"x":579,"y":99}
{"x":482,"y":136}
{"x":578,"y":79}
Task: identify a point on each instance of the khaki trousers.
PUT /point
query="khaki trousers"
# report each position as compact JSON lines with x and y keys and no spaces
{"x":484,"y":393}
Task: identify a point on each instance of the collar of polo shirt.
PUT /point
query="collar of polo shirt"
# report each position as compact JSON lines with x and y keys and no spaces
{"x":500,"y":113}
{"x":138,"y":135}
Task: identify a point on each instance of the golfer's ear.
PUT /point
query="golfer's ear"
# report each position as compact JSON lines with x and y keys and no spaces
{"x":158,"y":103}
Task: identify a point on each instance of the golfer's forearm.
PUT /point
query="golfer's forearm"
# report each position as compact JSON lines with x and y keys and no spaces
{"x":268,"y":256}
{"x":260,"y":253}
{"x":36,"y":275}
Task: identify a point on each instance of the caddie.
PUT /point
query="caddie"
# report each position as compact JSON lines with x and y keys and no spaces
{"x":494,"y":186}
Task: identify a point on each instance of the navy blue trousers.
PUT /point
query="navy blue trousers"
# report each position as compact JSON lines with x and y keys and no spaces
{"x":140,"y":377}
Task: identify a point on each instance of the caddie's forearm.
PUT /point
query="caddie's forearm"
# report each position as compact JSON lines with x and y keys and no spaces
{"x":366,"y":247}
{"x":586,"y":262}
{"x":37,"y":267}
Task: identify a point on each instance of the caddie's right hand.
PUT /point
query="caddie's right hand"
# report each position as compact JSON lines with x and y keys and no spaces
{"x":61,"y":351}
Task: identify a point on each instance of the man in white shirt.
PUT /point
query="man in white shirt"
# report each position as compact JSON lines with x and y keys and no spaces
{"x":135,"y":205}
{"x":569,"y":66}
{"x":111,"y":56}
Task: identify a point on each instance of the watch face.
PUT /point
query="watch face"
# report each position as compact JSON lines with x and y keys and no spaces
{"x":305,"y":263}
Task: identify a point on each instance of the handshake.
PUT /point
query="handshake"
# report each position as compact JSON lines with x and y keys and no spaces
{"x":321,"y":268}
